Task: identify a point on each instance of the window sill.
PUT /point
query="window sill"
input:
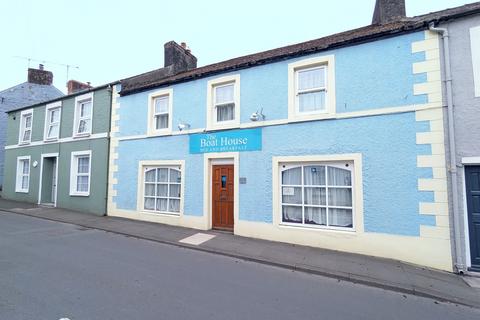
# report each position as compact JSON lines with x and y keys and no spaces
{"x":21,"y":191}
{"x":161,"y":214}
{"x":76,"y":194}
{"x":80,"y":136}
{"x":159,"y":133}
{"x":50,"y":140}
{"x":285,"y":225}
{"x":25,"y":143}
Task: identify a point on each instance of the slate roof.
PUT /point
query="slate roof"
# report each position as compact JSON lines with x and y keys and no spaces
{"x":26,"y":94}
{"x":157,"y":78}
{"x":63,"y":97}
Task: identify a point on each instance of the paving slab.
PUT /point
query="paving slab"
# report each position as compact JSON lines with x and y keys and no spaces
{"x":378,"y":272}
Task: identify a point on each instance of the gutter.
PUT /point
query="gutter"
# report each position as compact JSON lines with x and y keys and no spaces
{"x":459,"y":266}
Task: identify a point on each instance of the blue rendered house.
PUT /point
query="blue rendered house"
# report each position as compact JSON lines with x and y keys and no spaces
{"x":336,"y":143}
{"x":38,"y":88}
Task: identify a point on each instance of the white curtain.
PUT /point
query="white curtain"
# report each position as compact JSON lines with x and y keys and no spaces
{"x":174,"y":191}
{"x":150,"y":175}
{"x":85,"y":109}
{"x":311,"y":101}
{"x":150,"y":190}
{"x":162,"y":175}
{"x":83,"y":164}
{"x":161,"y":121}
{"x":341,"y":197}
{"x":340,"y":217}
{"x":292,"y":176}
{"x":175,"y":176}
{"x":315,"y":195}
{"x":225,"y":102}
{"x":161,"y":112}
{"x":161,"y":105}
{"x":339,"y":177}
{"x":174,"y":205}
{"x":161,"y":184}
{"x":149,"y":204}
{"x":292,"y":214}
{"x":315,"y":215}
{"x":162,"y":190}
{"x":25,"y":173}
{"x":162,"y":204}
{"x":82,"y":183}
{"x":311,"y":79}
{"x":314,"y":175}
{"x":224,"y":94}
{"x":226,"y":112}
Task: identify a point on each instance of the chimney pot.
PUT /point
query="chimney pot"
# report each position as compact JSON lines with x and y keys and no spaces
{"x":388,"y":11}
{"x":40,"y":66}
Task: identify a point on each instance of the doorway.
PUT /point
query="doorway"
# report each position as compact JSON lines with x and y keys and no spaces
{"x":472,"y":183}
{"x":48,"y":180}
{"x":223,"y":197}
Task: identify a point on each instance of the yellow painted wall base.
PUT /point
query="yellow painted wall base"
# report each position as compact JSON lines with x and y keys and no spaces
{"x":414,"y":250}
{"x":193,"y":222}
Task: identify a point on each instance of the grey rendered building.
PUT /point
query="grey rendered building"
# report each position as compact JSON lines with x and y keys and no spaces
{"x":37,"y":88}
{"x":461,"y":74}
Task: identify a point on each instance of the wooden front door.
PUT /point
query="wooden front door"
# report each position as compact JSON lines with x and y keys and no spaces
{"x":472,"y":179}
{"x":222,"y":197}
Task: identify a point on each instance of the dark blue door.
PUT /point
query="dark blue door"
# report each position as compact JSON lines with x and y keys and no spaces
{"x":472,"y":179}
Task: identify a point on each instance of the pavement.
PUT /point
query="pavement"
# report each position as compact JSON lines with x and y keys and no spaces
{"x":372,"y":271}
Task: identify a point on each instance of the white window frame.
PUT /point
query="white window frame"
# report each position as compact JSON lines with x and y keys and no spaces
{"x":48,"y":124}
{"x":475,"y":47}
{"x":142,"y":168}
{"x":357,"y":189}
{"x":19,"y":174}
{"x":212,"y":122}
{"x":327,"y":62}
{"x":76,"y":118}
{"x":152,"y":129}
{"x":74,"y":173}
{"x":22,"y":127}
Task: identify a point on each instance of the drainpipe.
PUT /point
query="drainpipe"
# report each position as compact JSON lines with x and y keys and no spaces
{"x":459,"y":266}
{"x":110,"y":91}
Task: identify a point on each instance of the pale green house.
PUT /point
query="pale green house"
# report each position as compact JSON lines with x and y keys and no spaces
{"x":56,"y":152}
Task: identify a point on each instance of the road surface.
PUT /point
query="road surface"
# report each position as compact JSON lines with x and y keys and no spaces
{"x":50,"y":270}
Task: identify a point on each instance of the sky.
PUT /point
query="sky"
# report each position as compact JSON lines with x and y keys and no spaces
{"x":105,"y":40}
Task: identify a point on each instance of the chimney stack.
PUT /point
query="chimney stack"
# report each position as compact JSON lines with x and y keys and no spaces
{"x":178,"y":57}
{"x":388,"y":11}
{"x":40,"y":76}
{"x":75,"y":86}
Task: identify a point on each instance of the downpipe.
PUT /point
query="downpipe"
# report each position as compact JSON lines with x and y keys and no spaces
{"x":459,"y":266}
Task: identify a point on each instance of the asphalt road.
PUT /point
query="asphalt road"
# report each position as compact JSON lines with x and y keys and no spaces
{"x":50,"y":270}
